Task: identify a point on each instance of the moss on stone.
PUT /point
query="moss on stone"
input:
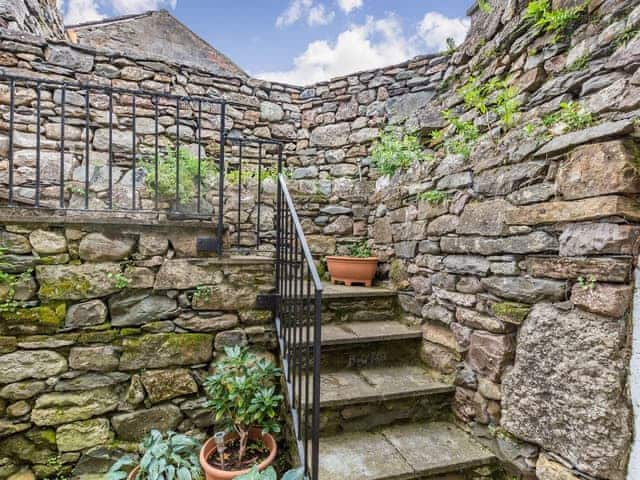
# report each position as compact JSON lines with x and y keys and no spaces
{"x":129,"y":332}
{"x":106,"y":336}
{"x":45,"y":318}
{"x":398,"y":273}
{"x":62,"y":288}
{"x":511,"y":312}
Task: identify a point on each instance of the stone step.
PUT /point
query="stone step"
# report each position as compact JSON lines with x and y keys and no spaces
{"x":358,"y":304}
{"x":355,"y":400}
{"x":402,"y":452}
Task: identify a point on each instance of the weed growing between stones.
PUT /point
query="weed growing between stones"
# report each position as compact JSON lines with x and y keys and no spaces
{"x":395,"y":151}
{"x":434,"y":197}
{"x":120,"y":280}
{"x":485,"y":6}
{"x":587,"y":283}
{"x":202,"y":292}
{"x":572,"y":116}
{"x":545,"y":19}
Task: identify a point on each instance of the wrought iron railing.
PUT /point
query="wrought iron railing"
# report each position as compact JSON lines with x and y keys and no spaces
{"x":298,"y":327}
{"x":74,"y":146}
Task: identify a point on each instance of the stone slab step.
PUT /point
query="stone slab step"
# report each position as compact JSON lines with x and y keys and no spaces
{"x":365,"y":332}
{"x":350,"y":387}
{"x":401,"y":452}
{"x":331,"y":291}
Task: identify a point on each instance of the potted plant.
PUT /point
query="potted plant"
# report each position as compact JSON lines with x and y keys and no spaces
{"x":242,"y":393}
{"x":359,"y":267}
{"x":164,"y":457}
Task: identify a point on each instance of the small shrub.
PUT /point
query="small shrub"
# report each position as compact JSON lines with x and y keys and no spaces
{"x":395,"y":151}
{"x":164,"y":457}
{"x":434,"y":197}
{"x":545,"y":19}
{"x":167,"y":168}
{"x":485,"y":6}
{"x":572,"y":115}
{"x":451,"y":46}
{"x":242,"y":394}
{"x":360,"y":250}
{"x":465,"y":133}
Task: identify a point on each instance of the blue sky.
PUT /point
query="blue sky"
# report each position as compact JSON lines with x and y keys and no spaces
{"x":303,"y":41}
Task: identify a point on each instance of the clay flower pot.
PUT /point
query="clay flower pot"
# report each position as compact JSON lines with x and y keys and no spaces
{"x":352,"y":270}
{"x":209,"y":447}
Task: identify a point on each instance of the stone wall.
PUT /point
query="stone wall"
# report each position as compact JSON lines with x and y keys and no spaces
{"x":107,"y":332}
{"x":521,"y":274}
{"x":37,"y":17}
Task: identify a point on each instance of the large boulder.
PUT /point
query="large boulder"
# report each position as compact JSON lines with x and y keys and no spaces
{"x":566,"y":391}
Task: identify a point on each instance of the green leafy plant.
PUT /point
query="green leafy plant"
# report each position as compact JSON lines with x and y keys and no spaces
{"x":395,"y":151}
{"x":190,"y":175}
{"x":572,"y":115}
{"x":10,"y":283}
{"x":587,"y":283}
{"x":434,"y":197}
{"x":120,"y":280}
{"x":626,"y":36}
{"x":507,"y":106}
{"x":580,"y":64}
{"x":60,"y":470}
{"x":233,"y":176}
{"x":485,"y":6}
{"x":270,"y":474}
{"x":360,"y":250}
{"x":242,"y":394}
{"x":203,"y":292}
{"x":546,"y":19}
{"x":465,"y":133}
{"x":171,"y":456}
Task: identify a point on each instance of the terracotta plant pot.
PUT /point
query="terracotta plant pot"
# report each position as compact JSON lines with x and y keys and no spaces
{"x":352,"y":270}
{"x":209,"y":447}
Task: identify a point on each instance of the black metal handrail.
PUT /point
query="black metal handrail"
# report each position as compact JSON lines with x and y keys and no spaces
{"x":299,"y":328}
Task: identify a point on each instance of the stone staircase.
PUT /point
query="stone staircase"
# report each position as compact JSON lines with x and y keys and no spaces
{"x":383,"y":415}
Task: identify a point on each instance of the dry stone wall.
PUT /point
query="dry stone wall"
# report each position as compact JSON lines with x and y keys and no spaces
{"x":519,"y":268}
{"x":108,"y":332}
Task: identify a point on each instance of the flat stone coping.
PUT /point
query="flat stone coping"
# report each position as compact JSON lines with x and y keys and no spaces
{"x":400,"y":452}
{"x":348,"y":387}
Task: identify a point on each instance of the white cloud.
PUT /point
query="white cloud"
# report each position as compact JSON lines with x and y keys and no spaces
{"x":314,"y":13}
{"x":374,"y":44}
{"x":435,"y":28}
{"x":294,"y":12}
{"x":81,"y":11}
{"x":318,"y":15}
{"x":126,"y":7}
{"x":348,"y":5}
